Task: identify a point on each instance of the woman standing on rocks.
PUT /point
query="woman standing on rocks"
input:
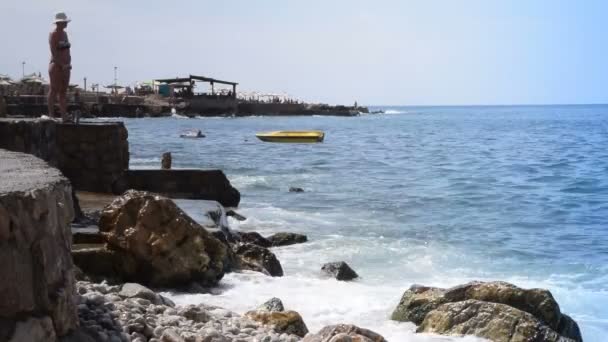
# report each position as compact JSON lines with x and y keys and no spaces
{"x":60,"y":66}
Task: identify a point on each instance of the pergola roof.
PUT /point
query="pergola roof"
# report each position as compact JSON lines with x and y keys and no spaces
{"x":194,"y":78}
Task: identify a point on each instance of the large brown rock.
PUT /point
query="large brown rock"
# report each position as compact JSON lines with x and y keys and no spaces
{"x":496,"y":322}
{"x":289,"y":322}
{"x":159,"y":244}
{"x":419,"y":301}
{"x":36,"y":272}
{"x":344,"y":333}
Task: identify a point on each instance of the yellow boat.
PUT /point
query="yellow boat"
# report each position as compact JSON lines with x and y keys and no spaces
{"x":292,"y":136}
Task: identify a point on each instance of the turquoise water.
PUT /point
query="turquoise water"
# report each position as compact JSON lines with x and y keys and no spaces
{"x":430,"y":195}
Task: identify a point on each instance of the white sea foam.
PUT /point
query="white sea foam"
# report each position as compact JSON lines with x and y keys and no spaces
{"x":177,"y":116}
{"x":387,"y":267}
{"x":320,"y":301}
{"x":394,"y":111}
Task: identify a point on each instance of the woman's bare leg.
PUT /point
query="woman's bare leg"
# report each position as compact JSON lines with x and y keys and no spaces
{"x":51,"y":102}
{"x":63,"y":106}
{"x":63,"y":98}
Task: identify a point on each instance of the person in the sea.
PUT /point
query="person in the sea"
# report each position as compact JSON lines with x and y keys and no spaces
{"x":60,"y":66}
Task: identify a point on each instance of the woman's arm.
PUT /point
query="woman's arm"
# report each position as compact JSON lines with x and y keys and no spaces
{"x":53,"y":43}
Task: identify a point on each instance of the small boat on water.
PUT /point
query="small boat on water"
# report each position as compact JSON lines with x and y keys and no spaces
{"x":292,"y":136}
{"x":194,"y":134}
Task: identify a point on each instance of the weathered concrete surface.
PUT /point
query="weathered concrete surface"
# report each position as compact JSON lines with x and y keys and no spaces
{"x":36,"y":277}
{"x":93,"y":156}
{"x":192,"y":184}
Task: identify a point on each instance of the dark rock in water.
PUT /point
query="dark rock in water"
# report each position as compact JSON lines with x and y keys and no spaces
{"x":158,"y":244}
{"x":259,"y":259}
{"x":273,"y":304}
{"x":254,"y":238}
{"x":417,"y":304}
{"x":286,"y":239}
{"x":165,"y":162}
{"x":236,"y":215}
{"x":294,"y":189}
{"x":289,"y":322}
{"x":344,"y":333}
{"x":339,"y":270}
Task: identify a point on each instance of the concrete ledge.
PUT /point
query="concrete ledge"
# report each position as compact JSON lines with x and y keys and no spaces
{"x":189,"y":184}
{"x":36,"y":277}
{"x":92,"y":155}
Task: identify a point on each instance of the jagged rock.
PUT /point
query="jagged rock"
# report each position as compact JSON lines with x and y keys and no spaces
{"x":236,"y":215}
{"x":295,"y":189}
{"x":158,"y":243}
{"x":285,"y":239}
{"x":344,"y":333}
{"x":254,"y":238}
{"x":273,"y":304}
{"x":419,"y":301}
{"x":497,"y":322}
{"x":256,"y":258}
{"x":289,"y":322}
{"x":339,"y":270}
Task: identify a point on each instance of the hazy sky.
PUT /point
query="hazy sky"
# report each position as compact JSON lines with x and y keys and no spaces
{"x":426,"y":52}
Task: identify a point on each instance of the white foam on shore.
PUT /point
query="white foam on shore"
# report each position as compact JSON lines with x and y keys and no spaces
{"x":320,"y":301}
{"x":177,"y":116}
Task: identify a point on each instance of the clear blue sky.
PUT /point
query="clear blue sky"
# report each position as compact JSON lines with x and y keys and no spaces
{"x":425,"y":52}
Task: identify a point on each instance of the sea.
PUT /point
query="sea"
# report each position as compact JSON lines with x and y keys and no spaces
{"x":418,"y":195}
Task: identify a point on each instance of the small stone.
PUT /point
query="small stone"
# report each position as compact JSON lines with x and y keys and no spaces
{"x":194,"y":313}
{"x":340,"y":270}
{"x":94,"y":298}
{"x":133,"y":290}
{"x":166,"y":301}
{"x":273,"y":304}
{"x":286,"y":239}
{"x":171,"y":335}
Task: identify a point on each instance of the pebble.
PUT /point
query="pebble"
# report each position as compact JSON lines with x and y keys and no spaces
{"x":112,"y":318}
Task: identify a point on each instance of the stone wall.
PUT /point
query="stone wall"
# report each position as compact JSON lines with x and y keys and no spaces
{"x":92,"y":155}
{"x":36,"y":276}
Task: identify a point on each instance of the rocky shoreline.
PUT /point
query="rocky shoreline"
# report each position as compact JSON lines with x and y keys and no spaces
{"x":145,"y":241}
{"x":160,"y":241}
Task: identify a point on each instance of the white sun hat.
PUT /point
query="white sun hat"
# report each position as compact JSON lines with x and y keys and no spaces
{"x":61,"y":17}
